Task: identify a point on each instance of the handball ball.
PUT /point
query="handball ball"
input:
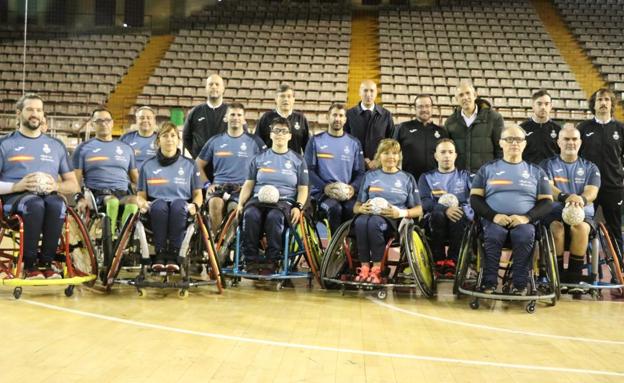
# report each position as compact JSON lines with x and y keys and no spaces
{"x":268,"y":194}
{"x":448,"y":200}
{"x":340,"y":191}
{"x":378,"y":203}
{"x":44,"y":183}
{"x":573,"y":215}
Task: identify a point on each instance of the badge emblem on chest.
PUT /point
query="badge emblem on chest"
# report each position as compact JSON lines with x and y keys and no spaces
{"x":553,"y":134}
{"x":436,"y":134}
{"x":46,"y":149}
{"x":119,"y":151}
{"x":397,"y":184}
{"x":346,"y":150}
{"x":297,"y":126}
{"x":287,"y":165}
{"x":580,"y":172}
{"x":180,"y":172}
{"x":243,"y":147}
{"x":616,"y":136}
{"x":525,"y":174}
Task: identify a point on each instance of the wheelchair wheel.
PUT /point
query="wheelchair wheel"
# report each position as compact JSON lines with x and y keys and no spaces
{"x":335,"y":261}
{"x":463,"y":260}
{"x":213,"y":262}
{"x":107,"y":241}
{"x":122,"y":243}
{"x":419,"y":257}
{"x":312,"y":245}
{"x":226,"y":238}
{"x":549,"y":255}
{"x":610,"y":256}
{"x":82,"y":253}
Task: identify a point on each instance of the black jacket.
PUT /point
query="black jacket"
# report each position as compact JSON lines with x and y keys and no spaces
{"x":379,"y":127}
{"x":201,"y":124}
{"x":418,"y":144}
{"x":604,"y":146}
{"x":541,"y":140}
{"x":300,"y":130}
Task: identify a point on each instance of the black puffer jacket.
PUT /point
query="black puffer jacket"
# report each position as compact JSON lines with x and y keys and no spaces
{"x":479,"y":143}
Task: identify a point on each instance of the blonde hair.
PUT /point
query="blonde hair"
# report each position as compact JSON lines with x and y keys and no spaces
{"x":389,"y":145}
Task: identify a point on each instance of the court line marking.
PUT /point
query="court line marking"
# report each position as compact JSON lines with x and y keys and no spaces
{"x":324,"y":348}
{"x":493,"y":328}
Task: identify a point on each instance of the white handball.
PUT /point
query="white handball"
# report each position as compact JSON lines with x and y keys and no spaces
{"x":378,"y":203}
{"x":573,"y":215}
{"x":448,"y":200}
{"x":268,"y":194}
{"x":339,"y":191}
{"x":44,"y":183}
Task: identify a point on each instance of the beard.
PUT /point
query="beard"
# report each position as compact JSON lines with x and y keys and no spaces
{"x":29,"y":125}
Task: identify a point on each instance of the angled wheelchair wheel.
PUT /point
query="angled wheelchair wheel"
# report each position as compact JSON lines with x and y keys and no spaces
{"x":122,"y":243}
{"x":463,"y":259}
{"x":208,"y":246}
{"x":107,"y":240}
{"x":419,"y":257}
{"x":312,"y":245}
{"x":549,"y":255}
{"x":81,"y":250}
{"x":335,"y":261}
{"x":226,"y":238}
{"x":610,"y":256}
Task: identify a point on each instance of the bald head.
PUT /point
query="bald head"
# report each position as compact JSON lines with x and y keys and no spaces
{"x":569,"y":142}
{"x":465,"y":95}
{"x":215,"y":88}
{"x":368,"y":93}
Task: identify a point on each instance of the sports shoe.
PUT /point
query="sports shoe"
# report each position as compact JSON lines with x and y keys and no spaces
{"x":488,"y":289}
{"x":449,"y":271}
{"x":51,"y":274}
{"x":172,"y":267}
{"x":438,"y":268}
{"x":158,"y":265}
{"x":520,"y":291}
{"x":363,"y":272}
{"x":375,"y":275}
{"x":34,"y":274}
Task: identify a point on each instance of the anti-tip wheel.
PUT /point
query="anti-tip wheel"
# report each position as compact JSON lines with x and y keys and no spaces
{"x":530,"y":307}
{"x":17,"y":292}
{"x":474,"y":304}
{"x":183,"y":293}
{"x":69,"y":291}
{"x":382,"y":294}
{"x":279,"y":285}
{"x":142,"y":293}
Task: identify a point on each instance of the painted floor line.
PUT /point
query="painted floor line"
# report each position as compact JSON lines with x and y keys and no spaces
{"x":492,"y":328}
{"x":325,"y":348}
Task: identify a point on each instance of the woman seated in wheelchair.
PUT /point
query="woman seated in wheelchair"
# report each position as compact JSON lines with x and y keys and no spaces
{"x":510,"y":195}
{"x":170,"y":191}
{"x":387,"y":195}
{"x":278,"y":179}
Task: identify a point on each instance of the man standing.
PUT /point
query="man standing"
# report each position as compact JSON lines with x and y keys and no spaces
{"x":368,"y":122}
{"x":205,"y":120}
{"x":419,"y":138}
{"x":285,"y":102}
{"x":541,"y":131}
{"x":603,"y":144}
{"x":142,"y":139}
{"x":476,"y":129}
{"x":335,"y":157}
{"x":30,"y":166}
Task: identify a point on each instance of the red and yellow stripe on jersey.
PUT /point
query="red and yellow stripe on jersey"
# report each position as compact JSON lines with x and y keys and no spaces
{"x":157,"y":181}
{"x":21,"y":158}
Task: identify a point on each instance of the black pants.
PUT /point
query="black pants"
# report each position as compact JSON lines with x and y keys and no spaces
{"x":441,"y":229}
{"x":259,"y":218}
{"x":611,"y":202}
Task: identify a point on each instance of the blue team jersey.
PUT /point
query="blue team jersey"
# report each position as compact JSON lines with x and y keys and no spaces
{"x":571,"y":178}
{"x":284,"y":171}
{"x":511,"y":188}
{"x":21,"y":155}
{"x":399,"y":188}
{"x":104,"y":164}
{"x":334,"y":159}
{"x":144,"y":147}
{"x":433,"y":184}
{"x":230,"y":156}
{"x":175,"y":181}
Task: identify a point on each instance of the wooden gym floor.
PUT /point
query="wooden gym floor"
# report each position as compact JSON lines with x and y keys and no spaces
{"x":297,"y":335}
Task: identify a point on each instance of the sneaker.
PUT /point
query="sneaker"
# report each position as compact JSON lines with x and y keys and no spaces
{"x":375,"y":275}
{"x":488,"y":289}
{"x":158,"y":265}
{"x":172,"y":267}
{"x":363,"y":273}
{"x":520,"y":291}
{"x":34,"y":274}
{"x":51,"y":274}
{"x":439,"y":268}
{"x":449,"y":272}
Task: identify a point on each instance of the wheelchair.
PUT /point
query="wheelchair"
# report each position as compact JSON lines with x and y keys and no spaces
{"x":602,"y":265}
{"x":75,"y":258}
{"x":302,"y":251}
{"x":543,"y":279}
{"x":412,"y":270}
{"x":197,"y":258}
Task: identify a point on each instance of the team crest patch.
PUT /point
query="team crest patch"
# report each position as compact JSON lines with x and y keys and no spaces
{"x":436,"y":134}
{"x":553,"y":134}
{"x":243,"y":147}
{"x":297,"y":126}
{"x":119,"y":151}
{"x":525,"y":174}
{"x":46,"y":149}
{"x":397,"y":184}
{"x":180,"y":172}
{"x":287,"y":165}
{"x":580,"y":172}
{"x":346,"y":150}
{"x":616,"y":136}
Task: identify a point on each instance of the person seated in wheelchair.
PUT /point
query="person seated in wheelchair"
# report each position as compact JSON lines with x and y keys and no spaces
{"x":224,"y":163}
{"x":575,"y":183}
{"x":107,"y":168}
{"x":30,"y":166}
{"x":387,"y":195}
{"x":511,"y":196}
{"x":336,"y":164}
{"x":278,"y":179}
{"x":444,"y":193}
{"x":170,"y":191}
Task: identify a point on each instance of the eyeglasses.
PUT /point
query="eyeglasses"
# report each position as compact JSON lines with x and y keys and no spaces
{"x":103,"y":121}
{"x":513,"y":140}
{"x":281,"y":132}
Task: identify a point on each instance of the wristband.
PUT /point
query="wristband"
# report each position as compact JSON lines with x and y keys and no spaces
{"x":298,"y":205}
{"x":6,"y":187}
{"x":562,"y":197}
{"x":402,"y":213}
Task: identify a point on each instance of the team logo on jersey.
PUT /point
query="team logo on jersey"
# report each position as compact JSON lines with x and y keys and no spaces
{"x":157,"y":171}
{"x":580,"y":172}
{"x":153,"y":145}
{"x":413,"y":130}
{"x":180,"y":172}
{"x":297,"y":126}
{"x":616,"y":136}
{"x":436,"y":134}
{"x":265,"y":163}
{"x":119,"y":151}
{"x":96,"y":150}
{"x":346,"y":150}
{"x":500,"y":173}
{"x":133,"y":143}
{"x":397,"y":184}
{"x":288,"y":165}
{"x":558,"y":170}
{"x":589,"y":134}
{"x":46,"y":149}
{"x":553,"y":134}
{"x":18,"y":149}
{"x":243,"y":147}
{"x":222,"y":145}
{"x":323,"y":147}
{"x":525,"y":174}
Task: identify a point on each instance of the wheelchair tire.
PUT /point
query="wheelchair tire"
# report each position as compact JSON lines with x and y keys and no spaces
{"x":463,"y":260}
{"x":610,"y":255}
{"x":226,"y":238}
{"x":549,"y":253}
{"x":312,"y":246}
{"x":122,"y":243}
{"x":213,"y":262}
{"x":86,"y":243}
{"x":107,"y":241}
{"x":420,"y":259}
{"x":334,"y":261}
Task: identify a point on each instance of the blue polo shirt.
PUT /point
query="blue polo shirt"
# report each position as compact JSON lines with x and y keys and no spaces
{"x":104,"y":164}
{"x":144,"y":147}
{"x":175,"y":181}
{"x":434,"y":184}
{"x":285,"y":171}
{"x":399,"y":188}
